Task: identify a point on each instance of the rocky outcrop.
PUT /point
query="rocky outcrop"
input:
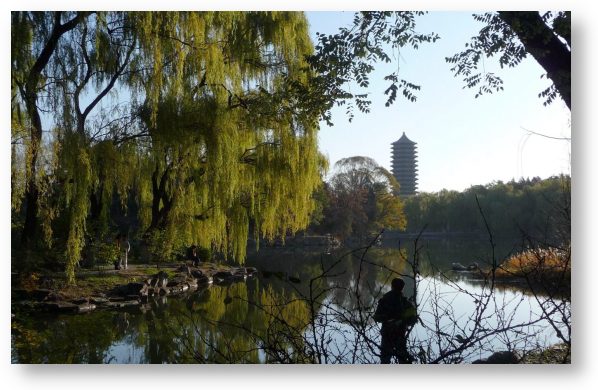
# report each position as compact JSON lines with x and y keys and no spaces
{"x":134,"y":294}
{"x":461,"y":268}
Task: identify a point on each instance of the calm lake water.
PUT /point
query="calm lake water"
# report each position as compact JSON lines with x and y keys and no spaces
{"x":303,"y":307}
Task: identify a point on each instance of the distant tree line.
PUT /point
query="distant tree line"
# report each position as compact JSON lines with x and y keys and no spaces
{"x":539,"y":208}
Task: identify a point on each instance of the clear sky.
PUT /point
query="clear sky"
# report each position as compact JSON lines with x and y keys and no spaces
{"x":462,"y":141}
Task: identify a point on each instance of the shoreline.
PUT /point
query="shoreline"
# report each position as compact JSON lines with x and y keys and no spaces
{"x":116,"y":289}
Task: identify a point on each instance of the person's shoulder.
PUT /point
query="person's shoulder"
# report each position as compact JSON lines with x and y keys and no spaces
{"x":389,"y":294}
{"x":392,"y":296}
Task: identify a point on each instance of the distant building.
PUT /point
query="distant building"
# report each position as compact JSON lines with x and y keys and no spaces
{"x":404,"y":165}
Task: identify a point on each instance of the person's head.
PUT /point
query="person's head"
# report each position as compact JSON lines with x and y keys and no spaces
{"x":397,"y":284}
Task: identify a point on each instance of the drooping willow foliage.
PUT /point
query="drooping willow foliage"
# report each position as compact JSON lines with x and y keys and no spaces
{"x":198,"y":119}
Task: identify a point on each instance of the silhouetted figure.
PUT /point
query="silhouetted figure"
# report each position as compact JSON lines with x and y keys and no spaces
{"x":396,"y":314}
{"x":193,"y":255}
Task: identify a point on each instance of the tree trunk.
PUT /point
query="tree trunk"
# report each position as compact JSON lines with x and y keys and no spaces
{"x":30,"y":95}
{"x":545,"y":46}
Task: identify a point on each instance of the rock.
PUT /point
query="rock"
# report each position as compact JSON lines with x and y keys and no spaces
{"x":177,"y":281}
{"x":197,"y":274}
{"x":178,"y":289}
{"x":163,"y":291}
{"x":129,"y":289}
{"x":122,"y":304}
{"x":239,"y":274}
{"x":184,"y":268}
{"x":501,"y":357}
{"x":473,"y":267}
{"x":251,"y":271}
{"x":159,"y":280}
{"x":144,"y":292}
{"x":222,"y":277}
{"x":98,"y":300}
{"x":458,"y":267}
{"x":54,"y":297}
{"x":204,"y":279}
{"x":222,"y":274}
{"x":86,"y":307}
{"x":47,"y":282}
{"x":60,"y":307}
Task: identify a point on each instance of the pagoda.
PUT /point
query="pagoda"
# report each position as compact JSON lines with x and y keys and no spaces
{"x":404,"y":165}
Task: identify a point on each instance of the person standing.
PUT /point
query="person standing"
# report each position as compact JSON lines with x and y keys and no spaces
{"x":193,"y":256}
{"x":122,"y":247}
{"x":396,"y":314}
{"x":126,"y":250}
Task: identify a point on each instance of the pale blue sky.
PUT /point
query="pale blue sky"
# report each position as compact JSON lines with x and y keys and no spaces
{"x":462,"y":141}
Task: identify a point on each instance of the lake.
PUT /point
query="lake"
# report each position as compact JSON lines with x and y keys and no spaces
{"x":308,"y":307}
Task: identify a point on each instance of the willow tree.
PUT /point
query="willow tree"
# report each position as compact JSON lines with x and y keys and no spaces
{"x":213,"y":134}
{"x":231,"y":142}
{"x":35,"y":37}
{"x":62,"y":73}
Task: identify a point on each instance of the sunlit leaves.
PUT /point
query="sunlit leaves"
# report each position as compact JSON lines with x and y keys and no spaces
{"x":207,"y":124}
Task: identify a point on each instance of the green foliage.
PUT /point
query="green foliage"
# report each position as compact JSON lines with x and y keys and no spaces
{"x":102,"y":252}
{"x":537,"y":208}
{"x":361,"y":200}
{"x":217,"y":132}
{"x":204,"y":254}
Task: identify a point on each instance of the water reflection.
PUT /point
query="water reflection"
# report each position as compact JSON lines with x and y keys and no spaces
{"x":303,"y":308}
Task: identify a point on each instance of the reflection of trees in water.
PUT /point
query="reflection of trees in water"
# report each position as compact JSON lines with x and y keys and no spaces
{"x":62,"y":339}
{"x":323,"y":318}
{"x":439,"y":253}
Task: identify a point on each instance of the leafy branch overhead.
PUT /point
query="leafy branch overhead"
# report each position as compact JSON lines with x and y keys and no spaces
{"x":512,"y":36}
{"x":344,"y":61}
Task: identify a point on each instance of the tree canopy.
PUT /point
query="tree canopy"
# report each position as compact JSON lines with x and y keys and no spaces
{"x":361,"y":198}
{"x":191,"y":119}
{"x":536,"y":208}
